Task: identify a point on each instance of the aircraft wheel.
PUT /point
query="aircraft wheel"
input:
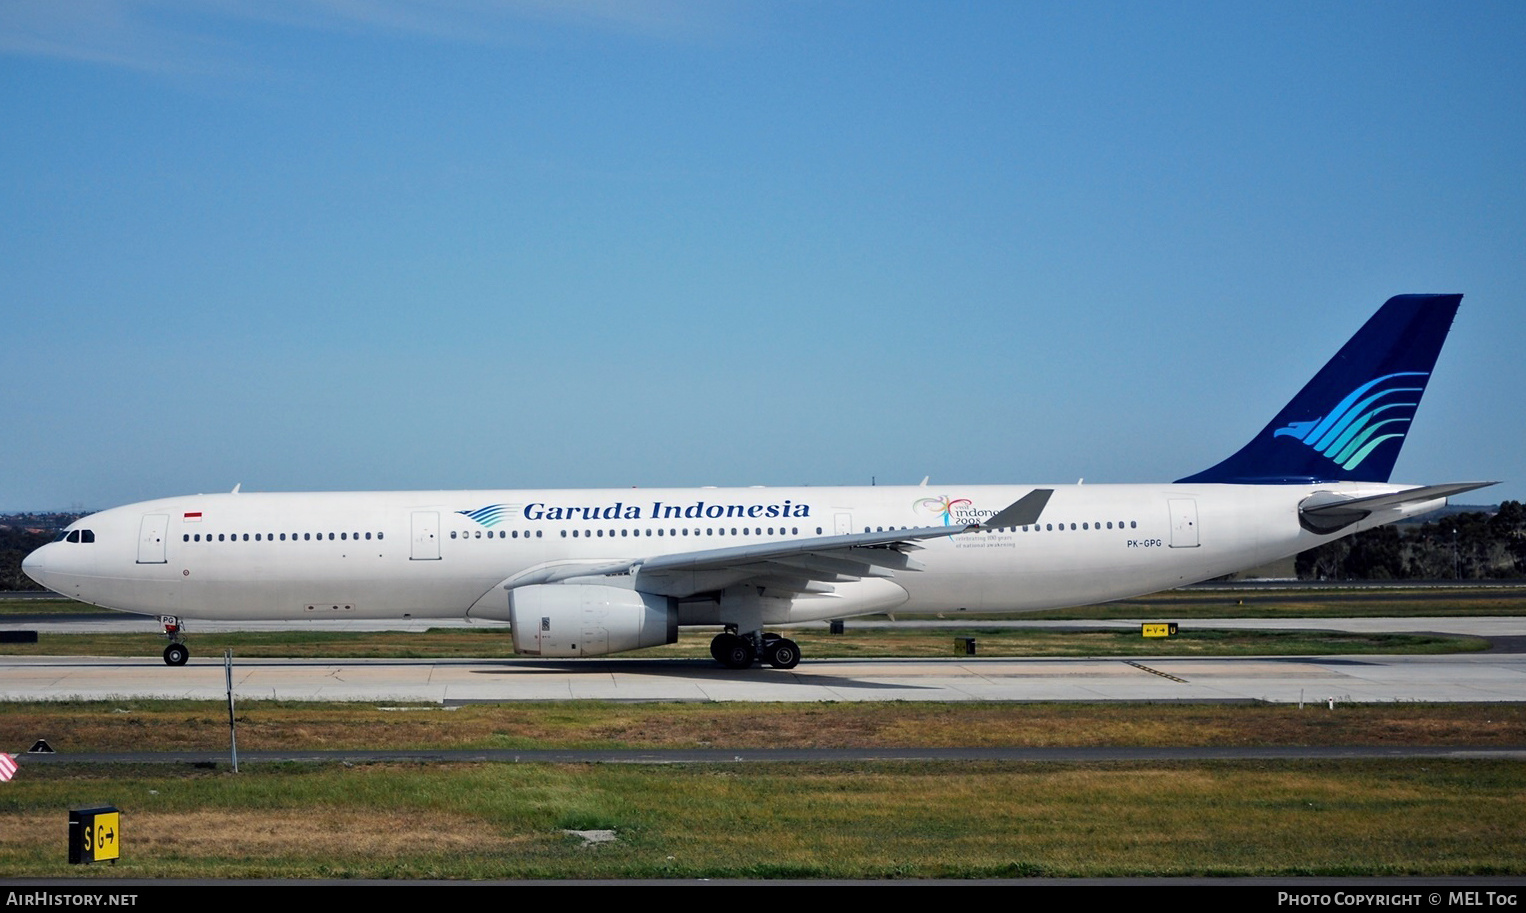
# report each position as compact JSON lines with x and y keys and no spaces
{"x":176,"y":655}
{"x":732,"y":651}
{"x":783,"y":653}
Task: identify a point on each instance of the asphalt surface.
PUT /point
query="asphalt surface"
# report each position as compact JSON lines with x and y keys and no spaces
{"x":1312,"y":679}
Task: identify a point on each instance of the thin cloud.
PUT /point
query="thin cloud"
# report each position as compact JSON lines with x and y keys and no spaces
{"x":142,"y":35}
{"x":187,"y":36}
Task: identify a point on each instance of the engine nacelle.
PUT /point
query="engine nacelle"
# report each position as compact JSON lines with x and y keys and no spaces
{"x":589,"y":620}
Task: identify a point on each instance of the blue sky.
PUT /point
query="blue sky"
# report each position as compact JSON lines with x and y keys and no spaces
{"x":483,"y":244}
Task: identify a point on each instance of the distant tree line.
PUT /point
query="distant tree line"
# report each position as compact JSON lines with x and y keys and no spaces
{"x":1477,"y":545}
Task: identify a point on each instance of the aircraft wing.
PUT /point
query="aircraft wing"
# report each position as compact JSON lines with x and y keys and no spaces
{"x":795,"y":565}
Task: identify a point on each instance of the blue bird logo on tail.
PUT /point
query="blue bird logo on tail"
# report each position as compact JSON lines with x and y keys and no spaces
{"x":1375,"y":412}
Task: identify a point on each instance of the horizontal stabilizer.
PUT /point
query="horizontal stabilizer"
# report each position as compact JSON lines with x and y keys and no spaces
{"x":1328,"y":512}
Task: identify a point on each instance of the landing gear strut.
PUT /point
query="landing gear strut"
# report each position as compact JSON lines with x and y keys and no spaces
{"x":176,"y":653}
{"x":735,"y":651}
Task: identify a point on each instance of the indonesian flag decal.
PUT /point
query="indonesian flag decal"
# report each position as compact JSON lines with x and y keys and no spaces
{"x":192,"y":516}
{"x":7,"y":767}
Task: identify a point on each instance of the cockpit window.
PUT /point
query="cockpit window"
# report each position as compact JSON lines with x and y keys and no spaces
{"x":87,"y":535}
{"x":76,"y":535}
{"x":61,"y":534}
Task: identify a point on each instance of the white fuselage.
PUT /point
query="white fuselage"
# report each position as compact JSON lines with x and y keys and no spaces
{"x":437,"y":554}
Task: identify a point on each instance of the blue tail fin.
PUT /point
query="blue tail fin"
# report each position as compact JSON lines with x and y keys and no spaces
{"x":1347,"y":424}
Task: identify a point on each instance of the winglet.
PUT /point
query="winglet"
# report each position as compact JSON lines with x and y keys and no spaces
{"x":1023,"y":511}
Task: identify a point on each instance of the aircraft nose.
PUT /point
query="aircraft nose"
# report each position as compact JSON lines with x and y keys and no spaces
{"x":33,"y":566}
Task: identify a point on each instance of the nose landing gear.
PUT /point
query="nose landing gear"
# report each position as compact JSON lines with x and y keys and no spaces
{"x":176,"y":653}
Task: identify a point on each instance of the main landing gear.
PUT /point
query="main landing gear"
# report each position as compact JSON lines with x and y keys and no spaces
{"x":737,"y":651}
{"x":176,"y":653}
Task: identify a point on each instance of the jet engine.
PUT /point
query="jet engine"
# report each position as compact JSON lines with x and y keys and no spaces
{"x":589,"y":620}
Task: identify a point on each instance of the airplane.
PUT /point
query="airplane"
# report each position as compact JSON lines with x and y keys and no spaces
{"x":580,"y":573}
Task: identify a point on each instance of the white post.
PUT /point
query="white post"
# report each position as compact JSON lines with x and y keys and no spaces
{"x":232,"y":731}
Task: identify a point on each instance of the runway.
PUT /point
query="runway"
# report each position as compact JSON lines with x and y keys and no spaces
{"x":1495,"y":676}
{"x":1361,"y":679}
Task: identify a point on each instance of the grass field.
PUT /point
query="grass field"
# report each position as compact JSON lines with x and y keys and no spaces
{"x":877,"y":820}
{"x":763,"y":821}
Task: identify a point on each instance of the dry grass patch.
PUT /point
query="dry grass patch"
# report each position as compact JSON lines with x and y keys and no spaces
{"x":140,"y":725}
{"x":839,"y":820}
{"x":326,"y":833}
